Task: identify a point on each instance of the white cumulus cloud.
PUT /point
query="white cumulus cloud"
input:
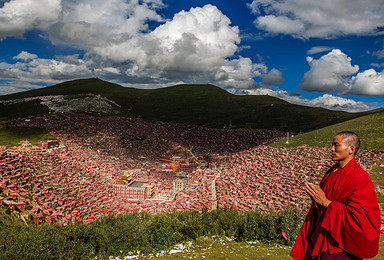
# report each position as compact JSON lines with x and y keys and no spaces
{"x":237,"y":73}
{"x":280,"y":24}
{"x":321,"y":19}
{"x":379,"y":54}
{"x":334,"y":73}
{"x":197,"y":45}
{"x":318,"y":49}
{"x":325,"y":101}
{"x":25,"y":56}
{"x":16,"y":86}
{"x":338,"y":103}
{"x":328,"y":73}
{"x":368,"y":82}
{"x":19,"y":16}
{"x":272,"y":77}
{"x":90,"y":23}
{"x":30,"y":68}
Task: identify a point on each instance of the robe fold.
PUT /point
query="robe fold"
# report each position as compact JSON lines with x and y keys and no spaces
{"x":351,"y":223}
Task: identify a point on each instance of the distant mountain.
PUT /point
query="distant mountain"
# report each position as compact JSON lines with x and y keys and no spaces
{"x":204,"y":105}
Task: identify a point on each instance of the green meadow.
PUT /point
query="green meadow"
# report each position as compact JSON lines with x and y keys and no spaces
{"x":370,"y":128}
{"x":219,"y":249}
{"x":11,"y":136}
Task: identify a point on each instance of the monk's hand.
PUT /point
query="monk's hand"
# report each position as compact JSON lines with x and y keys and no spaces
{"x":317,"y":195}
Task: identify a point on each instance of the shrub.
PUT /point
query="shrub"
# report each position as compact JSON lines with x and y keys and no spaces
{"x":118,"y":235}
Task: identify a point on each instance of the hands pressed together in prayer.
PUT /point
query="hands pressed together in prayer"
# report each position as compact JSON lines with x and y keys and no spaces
{"x":317,"y":195}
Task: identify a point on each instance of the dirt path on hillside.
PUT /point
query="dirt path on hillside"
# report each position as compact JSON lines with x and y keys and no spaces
{"x":213,"y":188}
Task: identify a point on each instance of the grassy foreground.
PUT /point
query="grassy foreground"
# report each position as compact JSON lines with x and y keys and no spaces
{"x":213,"y":249}
{"x":208,"y":248}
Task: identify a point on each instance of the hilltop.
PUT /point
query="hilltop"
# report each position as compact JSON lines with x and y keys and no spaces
{"x":194,"y":104}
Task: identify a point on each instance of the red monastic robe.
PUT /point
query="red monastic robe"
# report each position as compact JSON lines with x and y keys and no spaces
{"x":351,"y":222}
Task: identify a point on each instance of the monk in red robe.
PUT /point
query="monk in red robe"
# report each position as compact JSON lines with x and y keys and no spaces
{"x":344,"y":219}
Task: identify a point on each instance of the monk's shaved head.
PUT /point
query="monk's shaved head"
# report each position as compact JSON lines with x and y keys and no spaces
{"x":350,"y":138}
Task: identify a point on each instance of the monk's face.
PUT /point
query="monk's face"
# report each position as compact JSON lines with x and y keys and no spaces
{"x":341,"y":150}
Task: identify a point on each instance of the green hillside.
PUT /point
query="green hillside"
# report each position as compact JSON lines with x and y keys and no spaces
{"x":370,"y":128}
{"x":204,"y":105}
{"x":211,"y":106}
{"x":11,"y":136}
{"x":26,"y":109}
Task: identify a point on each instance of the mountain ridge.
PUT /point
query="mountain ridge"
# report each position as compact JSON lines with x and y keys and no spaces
{"x":199,"y":104}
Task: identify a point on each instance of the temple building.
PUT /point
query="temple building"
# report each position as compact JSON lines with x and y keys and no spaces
{"x":179,"y":185}
{"x":127,"y":188}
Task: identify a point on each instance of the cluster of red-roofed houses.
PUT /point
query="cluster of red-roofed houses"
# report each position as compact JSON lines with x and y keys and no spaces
{"x":78,"y":181}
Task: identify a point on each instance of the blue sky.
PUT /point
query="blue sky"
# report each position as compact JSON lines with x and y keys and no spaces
{"x":317,"y":53}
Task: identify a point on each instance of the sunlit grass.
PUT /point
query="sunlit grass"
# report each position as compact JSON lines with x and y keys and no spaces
{"x":208,"y":248}
{"x":11,"y":136}
{"x":370,"y":128}
{"x":231,"y":250}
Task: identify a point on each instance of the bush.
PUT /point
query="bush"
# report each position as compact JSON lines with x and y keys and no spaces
{"x":119,"y":235}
